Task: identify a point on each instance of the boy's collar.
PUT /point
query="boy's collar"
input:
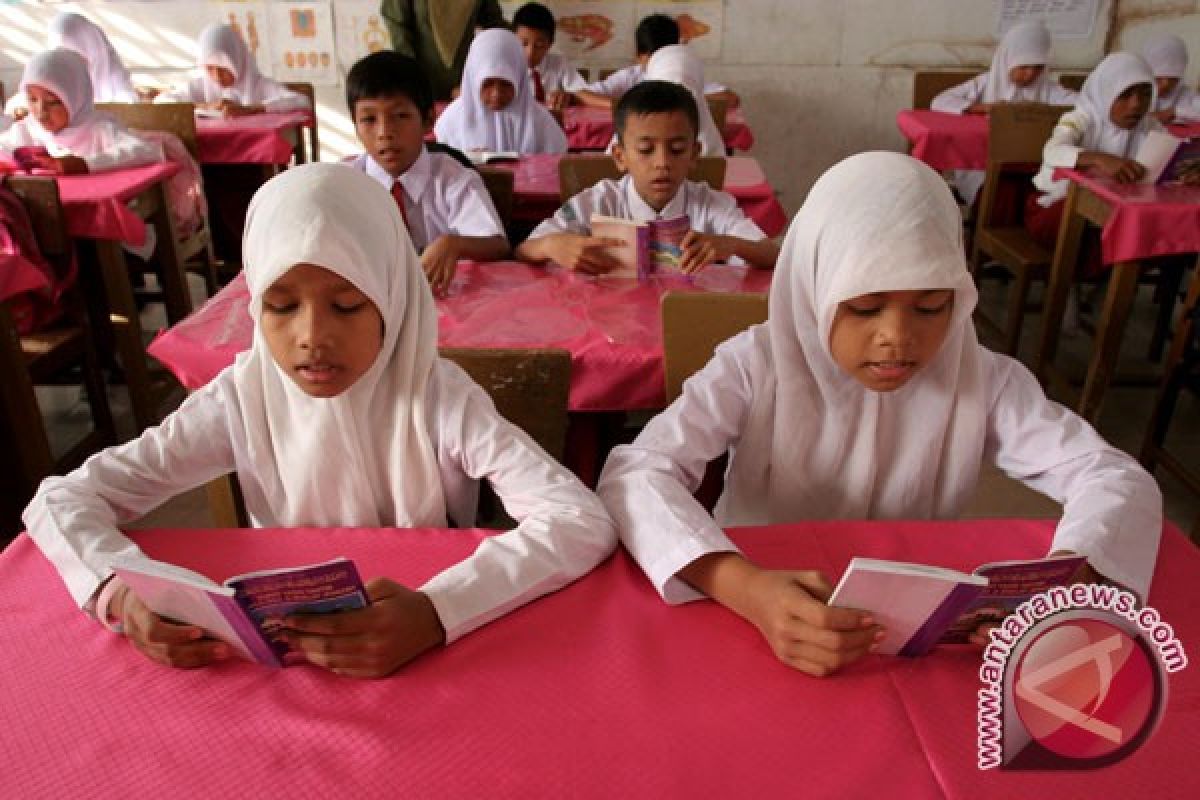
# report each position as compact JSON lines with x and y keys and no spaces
{"x":642,"y":211}
{"x":414,"y":179}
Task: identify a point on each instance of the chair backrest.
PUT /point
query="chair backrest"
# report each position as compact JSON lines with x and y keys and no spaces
{"x":306,"y":89}
{"x":718,"y":106}
{"x":604,"y":72}
{"x":579,"y":172}
{"x":928,"y":85}
{"x":40,"y":196}
{"x":499,"y":184}
{"x":1072,"y":80}
{"x":529,"y":387}
{"x":176,"y":118}
{"x":1017,"y":132}
{"x":694,"y":323}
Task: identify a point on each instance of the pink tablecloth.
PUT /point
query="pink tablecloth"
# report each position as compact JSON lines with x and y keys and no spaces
{"x":600,"y":690}
{"x":96,"y":205}
{"x":946,"y":141}
{"x":590,"y":128}
{"x":253,"y":139}
{"x":536,"y":189}
{"x":612,"y":328}
{"x":1146,"y":221}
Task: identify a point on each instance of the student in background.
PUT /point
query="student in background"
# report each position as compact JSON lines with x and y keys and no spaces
{"x":61,"y":119}
{"x":445,"y":206}
{"x":437,"y":33}
{"x":230,"y":82}
{"x":678,"y":64}
{"x":864,"y":395}
{"x":340,"y":414}
{"x":655,"y":31}
{"x":656,"y":146}
{"x":1167,"y":56}
{"x":496,"y":109}
{"x":551,"y":74}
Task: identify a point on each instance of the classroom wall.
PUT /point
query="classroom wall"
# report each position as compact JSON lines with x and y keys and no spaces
{"x":820,"y":79}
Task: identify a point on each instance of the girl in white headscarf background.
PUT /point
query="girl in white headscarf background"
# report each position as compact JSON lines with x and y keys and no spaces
{"x":1167,"y":56}
{"x":62,"y":119}
{"x":865,"y":395}
{"x":229,"y":80}
{"x":497,"y":110}
{"x":678,"y":64}
{"x":340,"y":414}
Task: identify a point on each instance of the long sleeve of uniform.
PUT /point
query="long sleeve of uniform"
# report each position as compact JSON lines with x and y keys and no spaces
{"x":563,"y":529}
{"x":957,"y":99}
{"x":271,"y":95}
{"x":74,"y":518}
{"x":190,"y":92}
{"x":277,"y":98}
{"x":647,"y":486}
{"x":1112,"y":509}
{"x":123,"y":149}
{"x":1062,"y":150}
{"x":617,"y":83}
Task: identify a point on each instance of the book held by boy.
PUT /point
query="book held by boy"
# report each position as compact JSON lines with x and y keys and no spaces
{"x":1169,"y":159}
{"x":492,"y":156}
{"x":646,"y":247}
{"x":246,"y":611}
{"x":921,"y":606}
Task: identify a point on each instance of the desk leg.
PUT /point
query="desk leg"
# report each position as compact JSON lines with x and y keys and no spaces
{"x":176,"y":296}
{"x":1118,"y":300}
{"x":1062,"y":275}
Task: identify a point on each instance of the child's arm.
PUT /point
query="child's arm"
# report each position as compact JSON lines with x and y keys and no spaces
{"x":123,"y":149}
{"x":1112,"y":509}
{"x":702,"y":249}
{"x":475,"y":231}
{"x":962,"y":99}
{"x":594,"y":99}
{"x":440,"y":258}
{"x":728,"y":95}
{"x":280,"y":98}
{"x":577,"y":251}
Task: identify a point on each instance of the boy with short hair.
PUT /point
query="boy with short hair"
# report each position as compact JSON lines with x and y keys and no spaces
{"x":445,"y":205}
{"x":656,"y":146}
{"x":552,"y":75}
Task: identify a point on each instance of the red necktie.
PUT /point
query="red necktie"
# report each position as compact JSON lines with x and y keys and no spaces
{"x":539,"y":91}
{"x":398,"y":195}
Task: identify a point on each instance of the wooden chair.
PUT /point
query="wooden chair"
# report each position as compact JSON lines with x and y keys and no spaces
{"x":1072,"y":80}
{"x":45,"y":357}
{"x":694,"y":323}
{"x":577,"y":172}
{"x":314,"y":144}
{"x":719,"y":108}
{"x":604,"y":72}
{"x":1016,"y":135}
{"x":499,"y":184}
{"x":928,"y":85}
{"x":195,"y":248}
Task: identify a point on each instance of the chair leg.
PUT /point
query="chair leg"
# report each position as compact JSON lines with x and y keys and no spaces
{"x":1166,"y":294}
{"x":97,"y":391}
{"x":1017,"y":300}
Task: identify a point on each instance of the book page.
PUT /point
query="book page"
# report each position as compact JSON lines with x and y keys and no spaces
{"x":629,"y":252}
{"x":1155,"y":153}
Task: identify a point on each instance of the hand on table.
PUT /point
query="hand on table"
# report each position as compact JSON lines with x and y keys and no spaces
{"x":230,"y":109}
{"x":439,"y":261}
{"x":702,"y":249}
{"x":979,"y":108}
{"x":1164,"y":116}
{"x":1122,"y":170}
{"x":583,"y":253}
{"x":398,"y":625}
{"x":557,"y":100}
{"x":160,"y":640}
{"x":1085,"y":574}
{"x":61,"y":165}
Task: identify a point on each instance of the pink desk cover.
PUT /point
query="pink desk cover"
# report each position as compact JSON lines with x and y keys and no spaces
{"x":253,"y":139}
{"x":612,"y":328}
{"x":591,"y":128}
{"x":946,"y":141}
{"x":18,"y":275}
{"x":536,"y":186}
{"x":1146,"y":221}
{"x":96,"y":205}
{"x":600,"y":690}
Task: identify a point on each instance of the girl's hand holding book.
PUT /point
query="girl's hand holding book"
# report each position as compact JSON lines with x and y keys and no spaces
{"x":163,"y":641}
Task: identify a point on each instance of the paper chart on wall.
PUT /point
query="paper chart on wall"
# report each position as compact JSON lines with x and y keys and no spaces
{"x":1066,"y":19}
{"x":249,"y":20}
{"x":302,"y":42}
{"x":360,"y":30}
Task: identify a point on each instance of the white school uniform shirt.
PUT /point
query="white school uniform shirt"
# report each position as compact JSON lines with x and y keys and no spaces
{"x":626,"y":78}
{"x":1087,"y":127}
{"x":808,"y":441}
{"x":709,"y":210}
{"x":558,"y":74}
{"x":402,"y":447}
{"x":441,"y":196}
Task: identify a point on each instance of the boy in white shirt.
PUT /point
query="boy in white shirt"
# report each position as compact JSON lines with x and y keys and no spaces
{"x":445,"y":205}
{"x":552,"y":75}
{"x":656,"y":146}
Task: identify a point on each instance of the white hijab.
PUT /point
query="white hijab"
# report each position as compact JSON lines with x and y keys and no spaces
{"x":221,"y":46}
{"x":1025,"y":45}
{"x":1167,"y":56}
{"x":65,"y":73}
{"x":678,"y":64}
{"x":524,"y":125}
{"x":363,"y":458}
{"x":817,"y":443}
{"x":110,"y":79}
{"x":1113,"y":75}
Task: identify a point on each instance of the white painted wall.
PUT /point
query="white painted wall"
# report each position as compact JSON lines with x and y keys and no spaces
{"x":821,"y":79}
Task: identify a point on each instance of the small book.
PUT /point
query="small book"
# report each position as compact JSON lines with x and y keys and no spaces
{"x":647,"y":247}
{"x":1169,"y":159}
{"x":28,"y":155}
{"x":492,"y":156}
{"x":247,"y":610}
{"x":921,"y":606}
{"x":209,"y":113}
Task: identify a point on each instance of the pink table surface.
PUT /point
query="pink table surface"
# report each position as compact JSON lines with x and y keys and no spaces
{"x":253,"y":139}
{"x":612,"y":328}
{"x":96,"y":205}
{"x":591,"y":128}
{"x":1145,"y":221}
{"x":536,"y":189}
{"x":599,"y":690}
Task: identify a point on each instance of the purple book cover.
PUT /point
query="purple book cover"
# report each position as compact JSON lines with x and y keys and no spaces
{"x":645,"y":266}
{"x":1184,"y":164}
{"x":666,"y":243}
{"x":951,"y":609}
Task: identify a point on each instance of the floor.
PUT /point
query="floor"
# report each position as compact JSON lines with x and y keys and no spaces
{"x":1123,"y":422}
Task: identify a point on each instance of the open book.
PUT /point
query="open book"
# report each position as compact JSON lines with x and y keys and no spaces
{"x":647,"y":247}
{"x":247,"y":610}
{"x":491,"y":156}
{"x":921,"y":606}
{"x":1168,"y":159}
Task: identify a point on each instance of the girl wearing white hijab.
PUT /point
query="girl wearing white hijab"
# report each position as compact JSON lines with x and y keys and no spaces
{"x":62,"y":119}
{"x":497,"y":110}
{"x":1167,"y":56}
{"x":340,"y":414}
{"x":865,"y":395}
{"x":678,"y":64}
{"x":230,"y":81}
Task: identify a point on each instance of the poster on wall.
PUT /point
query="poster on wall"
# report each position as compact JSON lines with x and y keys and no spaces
{"x":302,"y":42}
{"x":1066,"y":19}
{"x":249,"y":20}
{"x":360,"y":30}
